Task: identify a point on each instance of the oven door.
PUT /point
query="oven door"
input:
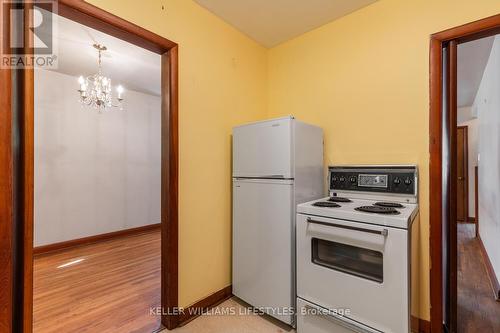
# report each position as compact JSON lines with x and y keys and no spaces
{"x":358,"y":267}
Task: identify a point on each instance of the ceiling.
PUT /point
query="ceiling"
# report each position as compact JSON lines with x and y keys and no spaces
{"x":472,"y":59}
{"x":271,"y":22}
{"x":131,"y":66}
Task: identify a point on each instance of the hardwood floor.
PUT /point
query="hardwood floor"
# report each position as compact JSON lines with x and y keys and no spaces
{"x":477,"y":309}
{"x":103,"y":287}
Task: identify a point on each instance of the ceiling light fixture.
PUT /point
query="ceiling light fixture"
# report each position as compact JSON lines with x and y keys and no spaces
{"x":95,"y":90}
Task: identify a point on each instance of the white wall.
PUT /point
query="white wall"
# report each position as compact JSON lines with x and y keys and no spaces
{"x":487,"y":103}
{"x":466,"y":118}
{"x":464,"y":114}
{"x":94,"y":173}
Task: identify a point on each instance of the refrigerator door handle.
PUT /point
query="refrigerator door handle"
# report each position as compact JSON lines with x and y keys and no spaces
{"x":264,"y":177}
{"x":237,"y":181}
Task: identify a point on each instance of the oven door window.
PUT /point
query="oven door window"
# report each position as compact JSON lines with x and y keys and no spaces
{"x":365,"y":263}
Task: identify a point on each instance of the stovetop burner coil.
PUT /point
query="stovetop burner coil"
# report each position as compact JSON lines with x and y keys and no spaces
{"x":326,"y":204}
{"x":339,"y":199}
{"x":389,"y":204}
{"x":378,"y":210}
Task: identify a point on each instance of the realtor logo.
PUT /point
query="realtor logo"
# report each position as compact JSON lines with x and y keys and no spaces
{"x":33,"y":28}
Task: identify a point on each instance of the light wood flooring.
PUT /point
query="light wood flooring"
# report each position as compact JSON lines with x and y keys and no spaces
{"x":478,"y":312}
{"x":104,"y":287}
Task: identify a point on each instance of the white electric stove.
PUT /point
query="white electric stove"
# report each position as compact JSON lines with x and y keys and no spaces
{"x":354,"y":252}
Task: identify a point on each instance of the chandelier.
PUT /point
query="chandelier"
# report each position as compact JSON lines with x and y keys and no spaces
{"x":95,"y":90}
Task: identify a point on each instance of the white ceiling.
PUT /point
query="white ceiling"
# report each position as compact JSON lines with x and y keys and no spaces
{"x":472,"y":59}
{"x":271,"y":22}
{"x":131,"y":66}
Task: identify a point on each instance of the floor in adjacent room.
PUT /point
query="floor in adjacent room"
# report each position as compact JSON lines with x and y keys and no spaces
{"x":103,"y":287}
{"x":477,"y":309}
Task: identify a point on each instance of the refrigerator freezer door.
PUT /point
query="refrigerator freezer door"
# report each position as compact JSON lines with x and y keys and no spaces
{"x":263,"y":149}
{"x":262,"y":245}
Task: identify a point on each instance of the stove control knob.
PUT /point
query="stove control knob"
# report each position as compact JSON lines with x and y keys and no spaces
{"x":397,"y":180}
{"x":408,"y":181}
{"x":335,"y":178}
{"x":352,"y":179}
{"x":342,"y":179}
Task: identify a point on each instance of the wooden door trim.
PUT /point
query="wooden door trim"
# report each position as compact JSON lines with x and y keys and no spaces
{"x":476,"y":198}
{"x":478,"y":29}
{"x":6,"y":187}
{"x":94,"y":17}
{"x":26,"y":185}
{"x":466,"y":158}
{"x":452,"y":181}
{"x":170,"y":189}
{"x":16,"y":312}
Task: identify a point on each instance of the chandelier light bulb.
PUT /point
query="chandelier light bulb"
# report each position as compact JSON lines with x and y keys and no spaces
{"x":83,"y":86}
{"x":119,"y":90}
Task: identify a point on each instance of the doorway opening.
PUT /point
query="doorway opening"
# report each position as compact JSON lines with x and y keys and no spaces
{"x":478,"y":102}
{"x":17,"y":153}
{"x":97,"y":173}
{"x":454,"y":155}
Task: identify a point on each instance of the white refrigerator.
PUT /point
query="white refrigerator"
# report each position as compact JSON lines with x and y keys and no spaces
{"x":277,"y":164}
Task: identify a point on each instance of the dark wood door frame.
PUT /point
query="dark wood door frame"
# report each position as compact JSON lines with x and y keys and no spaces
{"x":476,"y":198}
{"x":7,"y":251}
{"x":441,"y":158}
{"x":466,"y":158}
{"x":16,"y":166}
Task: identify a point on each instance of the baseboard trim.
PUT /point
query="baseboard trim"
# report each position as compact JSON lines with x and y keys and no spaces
{"x":44,"y":249}
{"x":202,"y":306}
{"x":489,"y":268}
{"x":419,"y":325}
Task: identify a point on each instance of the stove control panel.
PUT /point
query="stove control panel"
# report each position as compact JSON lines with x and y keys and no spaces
{"x":379,"y":179}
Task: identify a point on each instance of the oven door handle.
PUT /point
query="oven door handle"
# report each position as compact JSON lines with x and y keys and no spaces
{"x":383,"y":232}
{"x":343,"y":321}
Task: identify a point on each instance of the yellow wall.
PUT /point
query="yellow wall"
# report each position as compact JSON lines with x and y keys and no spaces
{"x":222,"y":83}
{"x":364,"y":79}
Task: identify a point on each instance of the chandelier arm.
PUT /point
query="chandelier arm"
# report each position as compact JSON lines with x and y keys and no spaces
{"x":99,"y":62}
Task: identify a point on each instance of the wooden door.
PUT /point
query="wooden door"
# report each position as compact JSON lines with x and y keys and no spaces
{"x":462,"y":175}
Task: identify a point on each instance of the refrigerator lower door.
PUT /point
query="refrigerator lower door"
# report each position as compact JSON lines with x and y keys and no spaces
{"x":263,"y":245}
